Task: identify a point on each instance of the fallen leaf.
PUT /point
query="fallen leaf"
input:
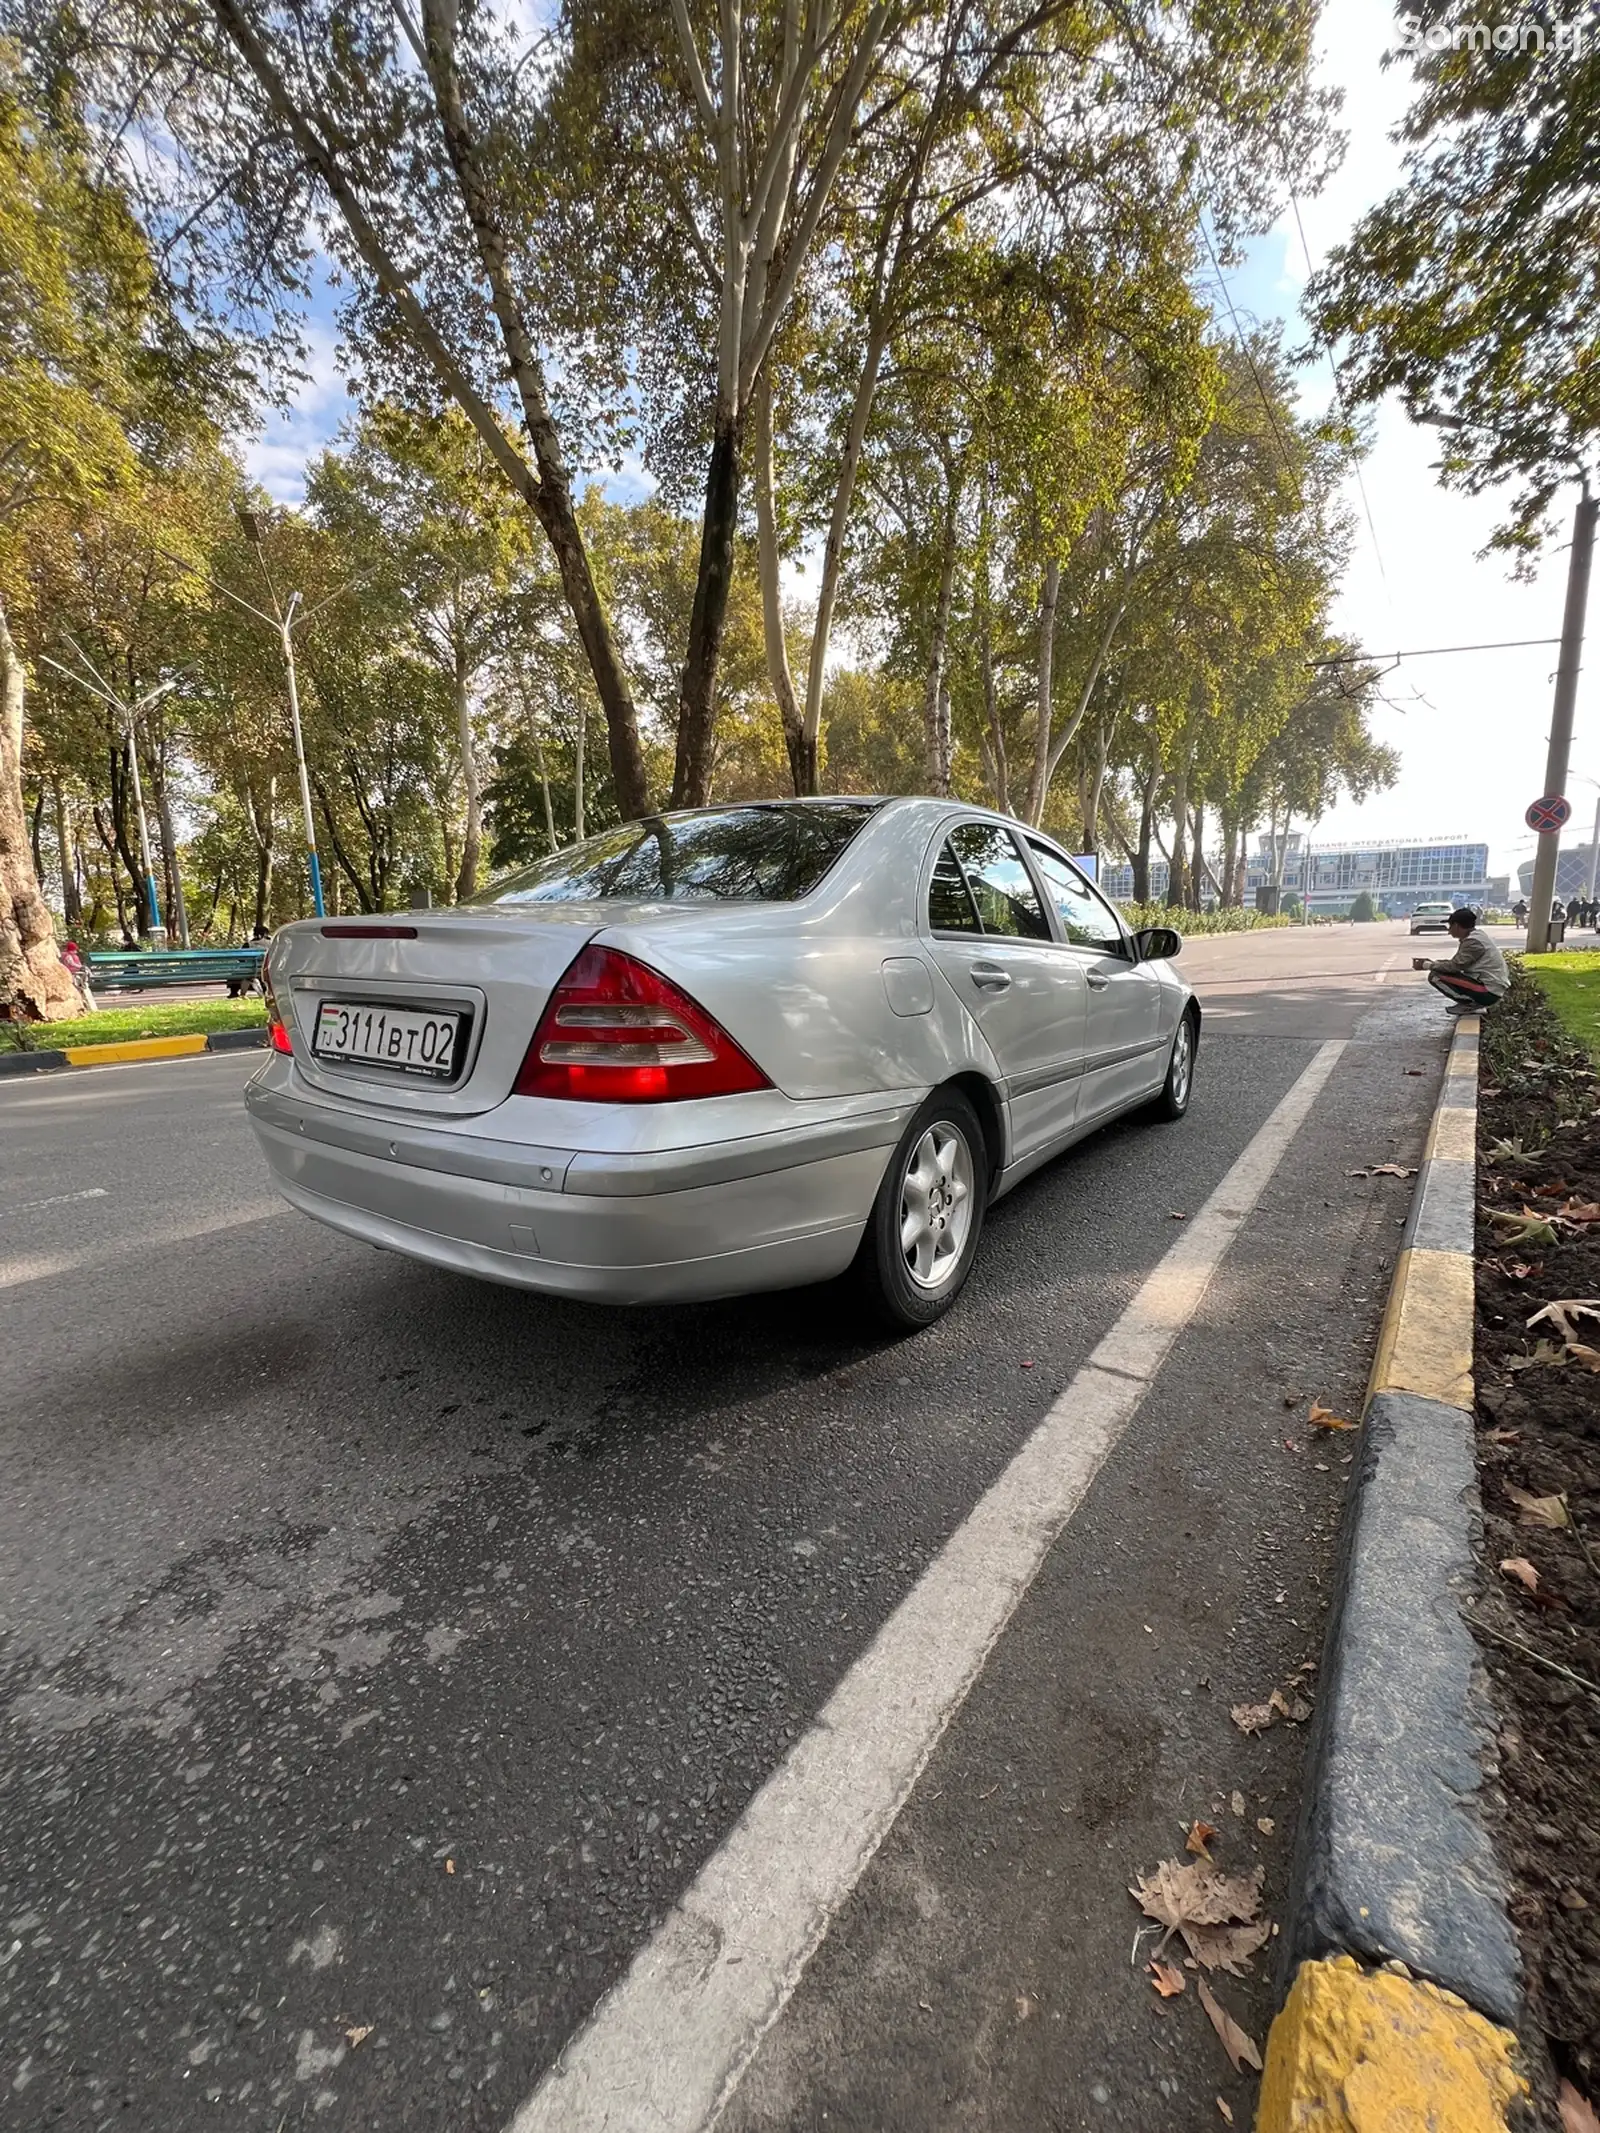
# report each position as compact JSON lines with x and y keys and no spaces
{"x":1539,"y":1510}
{"x":1518,"y":1567}
{"x":1200,"y":1835}
{"x":1225,"y":2110}
{"x":1573,"y":1900}
{"x":1214,"y":1912}
{"x":1546,"y":1356}
{"x":1585,"y":1357}
{"x":1577,"y":2112}
{"x":1265,"y":1824}
{"x":1325,"y":1418}
{"x":357,"y":2035}
{"x":1581,"y":1211}
{"x":449,"y":1866}
{"x":1563,"y":1313}
{"x":1176,"y":1217}
{"x":1168,"y":1980}
{"x":1236,"y":1802}
{"x":1294,"y":1708}
{"x":1384,"y":1170}
{"x":1238,"y":2046}
{"x":1505,"y":1436}
{"x":1252,"y":1717}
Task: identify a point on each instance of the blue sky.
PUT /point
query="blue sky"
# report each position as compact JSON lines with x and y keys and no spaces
{"x":1471,"y":727}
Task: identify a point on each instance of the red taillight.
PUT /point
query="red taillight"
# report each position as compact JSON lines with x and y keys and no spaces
{"x":280,"y":1038}
{"x":616,"y":1032}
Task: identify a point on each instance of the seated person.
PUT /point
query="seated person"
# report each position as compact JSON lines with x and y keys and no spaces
{"x":1476,"y":975}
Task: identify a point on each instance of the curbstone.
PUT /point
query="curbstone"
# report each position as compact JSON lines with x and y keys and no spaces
{"x":46,"y":1062}
{"x":134,"y":1051}
{"x":1393,"y":1861}
{"x":1361,"y":2052}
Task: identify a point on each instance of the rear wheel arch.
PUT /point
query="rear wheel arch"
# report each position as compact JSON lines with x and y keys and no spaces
{"x":981,"y":1094}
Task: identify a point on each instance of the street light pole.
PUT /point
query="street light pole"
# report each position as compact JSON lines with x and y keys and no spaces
{"x":97,"y":685}
{"x":286,"y":638}
{"x":1555,"y":774}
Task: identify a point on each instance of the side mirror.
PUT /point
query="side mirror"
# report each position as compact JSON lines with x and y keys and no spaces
{"x":1158,"y":944}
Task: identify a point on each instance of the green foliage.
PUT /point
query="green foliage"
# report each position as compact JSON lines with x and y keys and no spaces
{"x":1227,"y":919}
{"x":1363,"y":911}
{"x":1470,"y":290}
{"x":1571,"y":983}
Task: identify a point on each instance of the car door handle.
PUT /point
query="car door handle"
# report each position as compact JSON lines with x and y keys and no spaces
{"x":1098,"y":981}
{"x":989,"y":977}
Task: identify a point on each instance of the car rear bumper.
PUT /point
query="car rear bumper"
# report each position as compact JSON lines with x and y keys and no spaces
{"x":771,"y":1212}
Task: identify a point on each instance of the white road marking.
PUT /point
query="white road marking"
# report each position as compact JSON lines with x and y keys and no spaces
{"x":59,"y":1199}
{"x":665,"y":2049}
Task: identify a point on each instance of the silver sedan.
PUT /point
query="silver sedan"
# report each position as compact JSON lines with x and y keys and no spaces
{"x":732,"y":1049}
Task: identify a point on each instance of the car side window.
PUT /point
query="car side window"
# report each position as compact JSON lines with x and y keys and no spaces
{"x":1086,"y":919}
{"x":1001,"y":885}
{"x":950,"y":905}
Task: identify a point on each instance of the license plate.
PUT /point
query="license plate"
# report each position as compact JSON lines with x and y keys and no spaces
{"x":398,"y":1037}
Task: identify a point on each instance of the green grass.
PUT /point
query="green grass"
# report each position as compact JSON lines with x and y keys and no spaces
{"x":119,"y":1025}
{"x":1571,"y":983}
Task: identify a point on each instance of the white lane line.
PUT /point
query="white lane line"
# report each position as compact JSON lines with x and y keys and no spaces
{"x":665,"y":2049}
{"x":59,"y":1199}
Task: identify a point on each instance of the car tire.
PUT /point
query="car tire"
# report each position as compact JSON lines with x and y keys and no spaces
{"x":1178,"y":1087}
{"x":910,"y":1272}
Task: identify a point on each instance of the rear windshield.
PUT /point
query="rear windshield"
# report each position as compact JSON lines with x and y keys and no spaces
{"x":760,"y":854}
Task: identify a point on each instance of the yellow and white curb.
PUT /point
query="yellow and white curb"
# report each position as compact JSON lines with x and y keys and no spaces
{"x":1406,"y":1983}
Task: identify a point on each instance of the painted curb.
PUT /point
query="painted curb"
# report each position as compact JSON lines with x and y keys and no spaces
{"x":134,"y":1052}
{"x":1393,"y":1862}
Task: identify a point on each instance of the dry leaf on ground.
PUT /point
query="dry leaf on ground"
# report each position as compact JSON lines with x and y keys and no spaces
{"x":1518,"y":1567}
{"x":1583,"y":1355}
{"x":1168,"y":1980}
{"x":1214,"y":1912}
{"x":1577,"y":2112}
{"x":1564,"y":1313}
{"x":1226,"y":2110}
{"x":1325,"y":1418}
{"x":1265,"y":1824}
{"x":1384,"y":1170}
{"x":1239,"y":2047}
{"x":1546,"y":1356}
{"x":1539,"y":1510}
{"x":1293,"y":1708}
{"x":1236,"y":1802}
{"x":1584,"y":1211}
{"x":1200,"y":1835}
{"x":359,"y":2034}
{"x":1252,"y":1717}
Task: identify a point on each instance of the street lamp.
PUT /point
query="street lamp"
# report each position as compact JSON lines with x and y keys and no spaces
{"x":284,"y":620}
{"x":97,"y":685}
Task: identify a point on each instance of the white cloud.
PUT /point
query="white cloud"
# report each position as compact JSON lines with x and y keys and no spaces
{"x":290,"y":439}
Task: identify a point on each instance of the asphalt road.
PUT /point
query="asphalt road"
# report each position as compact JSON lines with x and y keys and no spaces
{"x":385,"y":1655}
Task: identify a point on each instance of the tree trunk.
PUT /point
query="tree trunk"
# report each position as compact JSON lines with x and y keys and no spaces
{"x":578,"y":771}
{"x":1178,"y":866}
{"x":697,"y":696}
{"x":35,"y":985}
{"x":1095,"y":786}
{"x":798,"y":738}
{"x":936,"y":693}
{"x":838,"y":527}
{"x":143,"y":916}
{"x":1147,"y":822}
{"x":71,"y":900}
{"x":467,"y":879}
{"x":1049,"y":600}
{"x":177,"y":907}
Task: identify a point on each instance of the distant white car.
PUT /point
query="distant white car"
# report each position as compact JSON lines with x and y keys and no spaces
{"x":719,"y":1051}
{"x":1431,"y":918}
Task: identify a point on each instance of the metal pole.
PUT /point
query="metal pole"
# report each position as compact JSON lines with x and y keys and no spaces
{"x":1555,"y":774}
{"x":286,"y":633}
{"x":156,"y":926}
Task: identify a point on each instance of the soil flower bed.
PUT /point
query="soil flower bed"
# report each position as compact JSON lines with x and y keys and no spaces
{"x":1538,"y":1607}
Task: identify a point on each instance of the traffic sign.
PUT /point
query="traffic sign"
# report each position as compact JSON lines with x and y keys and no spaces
{"x":1553,"y":812}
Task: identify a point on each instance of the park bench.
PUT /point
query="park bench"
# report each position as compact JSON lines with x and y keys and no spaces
{"x":237,"y":968}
